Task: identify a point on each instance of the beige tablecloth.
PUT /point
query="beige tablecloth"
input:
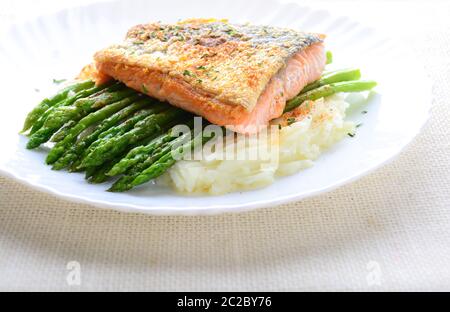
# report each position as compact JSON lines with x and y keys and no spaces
{"x":387,"y":231}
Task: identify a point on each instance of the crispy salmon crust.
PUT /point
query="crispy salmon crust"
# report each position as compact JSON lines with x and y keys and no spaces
{"x":234,"y":75}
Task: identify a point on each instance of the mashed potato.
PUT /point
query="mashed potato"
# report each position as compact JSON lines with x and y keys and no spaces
{"x":285,"y":151}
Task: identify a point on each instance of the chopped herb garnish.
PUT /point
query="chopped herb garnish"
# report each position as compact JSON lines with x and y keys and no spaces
{"x":208,"y":55}
{"x":291,"y":120}
{"x":144,"y":89}
{"x":199,"y":80}
{"x":187,"y":73}
{"x":359,"y":125}
{"x":58,"y":81}
{"x":351,"y":134}
{"x":201,"y":67}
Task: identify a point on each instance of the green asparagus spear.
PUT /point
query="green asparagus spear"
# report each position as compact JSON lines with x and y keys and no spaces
{"x":116,"y":132}
{"x":78,"y":110}
{"x":329,"y":56}
{"x":151,"y":125}
{"x":330,"y":89}
{"x":159,"y":163}
{"x":144,"y":160}
{"x":90,"y":172}
{"x":67,"y":102}
{"x":168,"y":160}
{"x":163,"y":150}
{"x":76,"y":150}
{"x":107,"y":123}
{"x":62,"y":133}
{"x":332,"y":77}
{"x":98,"y":175}
{"x":137,"y":155}
{"x":129,"y":123}
{"x":61,"y":95}
{"x":124,"y":183}
{"x":83,"y":124}
{"x":141,"y":153}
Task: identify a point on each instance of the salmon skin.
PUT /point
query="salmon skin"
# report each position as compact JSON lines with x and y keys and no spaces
{"x":239,"y":76}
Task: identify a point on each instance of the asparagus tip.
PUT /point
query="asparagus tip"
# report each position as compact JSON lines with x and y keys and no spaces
{"x":115,"y":189}
{"x":32,"y":145}
{"x":111,"y":173}
{"x":329,"y":56}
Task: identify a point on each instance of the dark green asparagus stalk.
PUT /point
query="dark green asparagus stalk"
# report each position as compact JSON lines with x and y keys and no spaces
{"x":105,"y":124}
{"x":163,"y":150}
{"x":81,"y":108}
{"x":124,"y":183}
{"x":76,"y":150}
{"x":168,"y":160}
{"x":328,"y":90}
{"x":98,"y":175}
{"x":140,"y":153}
{"x":90,"y":172}
{"x":349,"y":74}
{"x":114,"y":132}
{"x":67,"y":102}
{"x":146,"y":160}
{"x":129,"y":123}
{"x":151,"y":125}
{"x":59,"y":149}
{"x":137,"y":155}
{"x":160,"y":162}
{"x":61,"y":95}
{"x":61,"y":134}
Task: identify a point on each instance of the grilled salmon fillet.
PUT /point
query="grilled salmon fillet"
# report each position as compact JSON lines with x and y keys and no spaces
{"x":239,"y":76}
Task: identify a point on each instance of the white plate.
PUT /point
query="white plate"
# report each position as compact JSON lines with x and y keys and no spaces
{"x":59,"y":45}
